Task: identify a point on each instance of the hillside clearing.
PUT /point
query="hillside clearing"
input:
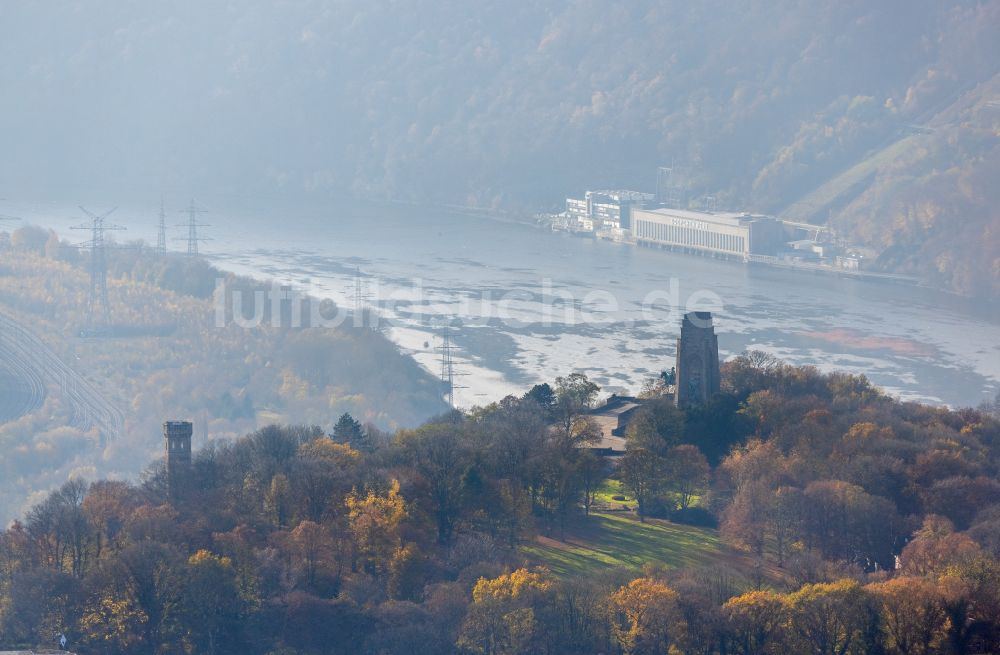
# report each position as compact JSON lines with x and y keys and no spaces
{"x":607,"y":541}
{"x":814,"y":205}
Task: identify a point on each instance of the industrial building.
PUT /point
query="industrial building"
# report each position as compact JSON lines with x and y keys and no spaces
{"x":724,"y":234}
{"x":576,"y":209}
{"x":604,"y":209}
{"x":611,"y":208}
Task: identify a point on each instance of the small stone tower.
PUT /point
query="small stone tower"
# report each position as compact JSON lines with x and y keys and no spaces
{"x":177,"y":439}
{"x":697,"y":360}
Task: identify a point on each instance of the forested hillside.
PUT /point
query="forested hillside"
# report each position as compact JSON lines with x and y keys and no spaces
{"x":170,"y":357}
{"x":497,"y":104}
{"x":865,"y":525}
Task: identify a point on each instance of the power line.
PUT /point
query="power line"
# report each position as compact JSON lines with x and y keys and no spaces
{"x":192,"y":225}
{"x":359,"y":298}
{"x":448,"y":373}
{"x":98,"y":294}
{"x":364,"y":315}
{"x":673,"y":185}
{"x":161,"y":235}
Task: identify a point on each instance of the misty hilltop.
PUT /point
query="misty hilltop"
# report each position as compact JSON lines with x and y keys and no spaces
{"x":882,"y":119}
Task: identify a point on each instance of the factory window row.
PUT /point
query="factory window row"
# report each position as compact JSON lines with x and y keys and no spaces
{"x":686,"y":236}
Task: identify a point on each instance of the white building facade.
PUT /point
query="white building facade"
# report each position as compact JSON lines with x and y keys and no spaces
{"x":714,"y":233}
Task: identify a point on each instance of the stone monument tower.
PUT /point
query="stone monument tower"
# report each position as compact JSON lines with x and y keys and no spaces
{"x":177,"y":438}
{"x":697,"y":365}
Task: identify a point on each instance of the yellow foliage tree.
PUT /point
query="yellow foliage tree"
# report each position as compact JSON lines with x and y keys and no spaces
{"x":502,"y":619}
{"x":512,"y":586}
{"x":210,"y":601}
{"x":112,"y":624}
{"x":834,"y":618}
{"x":914,"y":619}
{"x":757,"y":622}
{"x":645,"y":618}
{"x":292,"y":386}
{"x":374,"y":522}
{"x":326,"y":449}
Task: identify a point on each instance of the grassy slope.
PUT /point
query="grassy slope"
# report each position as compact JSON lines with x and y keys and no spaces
{"x":604,"y":496}
{"x":616,"y":539}
{"x":609,"y":540}
{"x":812,"y":207}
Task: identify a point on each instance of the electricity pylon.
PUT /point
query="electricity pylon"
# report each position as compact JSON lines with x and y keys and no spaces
{"x":161,"y":235}
{"x":98,"y":294}
{"x":364,"y":315}
{"x":192,"y":225}
{"x":448,"y":373}
{"x":673,"y":185}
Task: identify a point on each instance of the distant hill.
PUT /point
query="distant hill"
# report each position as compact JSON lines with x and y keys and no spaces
{"x":766,"y":105}
{"x":168,"y":359}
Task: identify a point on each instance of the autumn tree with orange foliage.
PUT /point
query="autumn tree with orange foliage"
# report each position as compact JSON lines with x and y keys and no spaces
{"x":645,"y":618}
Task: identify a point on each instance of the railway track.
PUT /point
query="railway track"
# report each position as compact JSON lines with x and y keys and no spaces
{"x":21,"y":390}
{"x":39,"y":369}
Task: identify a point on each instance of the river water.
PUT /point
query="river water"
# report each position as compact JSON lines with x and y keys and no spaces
{"x":526,"y":306}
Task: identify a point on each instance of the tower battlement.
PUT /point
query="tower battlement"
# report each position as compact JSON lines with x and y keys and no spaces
{"x":698,"y":377}
{"x":177,"y":441}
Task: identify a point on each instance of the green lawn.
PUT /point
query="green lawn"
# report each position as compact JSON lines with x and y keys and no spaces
{"x":610,"y":488}
{"x":609,"y":540}
{"x":604,"y":497}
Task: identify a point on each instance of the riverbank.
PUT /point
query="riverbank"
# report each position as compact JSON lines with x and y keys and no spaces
{"x":421,"y":267}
